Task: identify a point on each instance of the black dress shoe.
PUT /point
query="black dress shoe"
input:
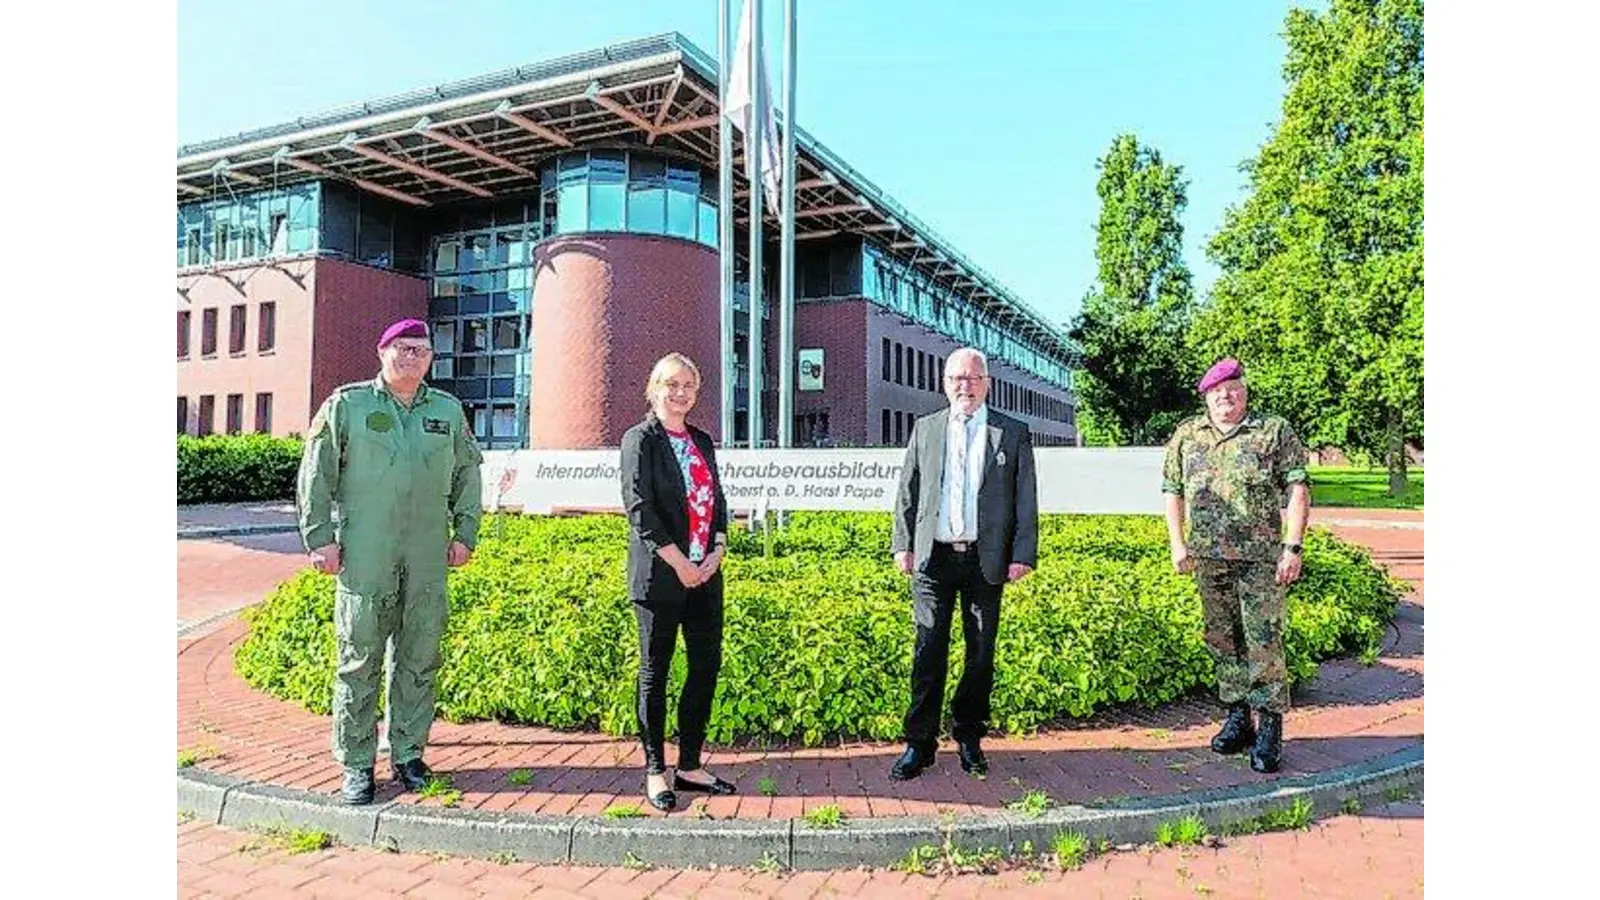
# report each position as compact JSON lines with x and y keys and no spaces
{"x":359,"y":787}
{"x":911,"y":763}
{"x":1236,"y":733}
{"x":413,"y":774}
{"x":973,"y":761}
{"x":717,"y":785}
{"x":1268,"y":749}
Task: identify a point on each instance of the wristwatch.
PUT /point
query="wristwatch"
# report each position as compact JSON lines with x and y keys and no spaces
{"x":1292,"y":548}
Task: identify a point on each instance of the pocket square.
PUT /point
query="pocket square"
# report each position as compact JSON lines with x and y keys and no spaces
{"x":1000,"y":458}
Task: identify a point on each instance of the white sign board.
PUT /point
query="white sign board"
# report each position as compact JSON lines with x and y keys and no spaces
{"x":1071,"y":479}
{"x":811,"y":375}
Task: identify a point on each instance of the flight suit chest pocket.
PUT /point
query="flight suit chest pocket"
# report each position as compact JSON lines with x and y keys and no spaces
{"x":436,"y":443}
{"x":374,"y":441}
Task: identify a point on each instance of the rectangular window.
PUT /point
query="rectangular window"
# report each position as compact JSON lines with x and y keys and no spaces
{"x":899,"y":428}
{"x":278,"y":233}
{"x":193,"y":250}
{"x":922,"y":371}
{"x":886,"y":423}
{"x":249,"y":242}
{"x":235,"y":413}
{"x":899,"y":366}
{"x":208,"y":336}
{"x":223,"y":251}
{"x":886,"y":378}
{"x":264,"y":413}
{"x":266,"y":327}
{"x":236,"y":330}
{"x":208,"y":412}
{"x":183,"y":334}
{"x":183,"y":415}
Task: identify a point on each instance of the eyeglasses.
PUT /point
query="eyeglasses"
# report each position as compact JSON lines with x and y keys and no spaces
{"x":412,"y":350}
{"x":687,"y":386}
{"x":966,"y":379}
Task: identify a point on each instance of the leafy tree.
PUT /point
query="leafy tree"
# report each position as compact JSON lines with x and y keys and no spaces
{"x":1134,"y":384}
{"x":1321,"y":287}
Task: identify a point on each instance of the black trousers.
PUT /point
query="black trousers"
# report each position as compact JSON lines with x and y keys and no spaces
{"x":934,"y":601}
{"x":698,"y":612}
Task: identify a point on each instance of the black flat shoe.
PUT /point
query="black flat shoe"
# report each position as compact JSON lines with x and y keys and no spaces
{"x":973,"y":762}
{"x":664,"y":801}
{"x":717,"y":785}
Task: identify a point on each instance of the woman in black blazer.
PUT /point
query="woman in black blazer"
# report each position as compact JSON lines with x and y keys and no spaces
{"x":679,"y":518}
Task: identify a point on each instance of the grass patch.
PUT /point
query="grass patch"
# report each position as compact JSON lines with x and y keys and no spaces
{"x":503,"y":858}
{"x":768,"y":864}
{"x":768,"y":786}
{"x":520,"y":777}
{"x":950,"y":859}
{"x":1294,"y":817}
{"x":185,"y":816}
{"x":1071,"y":849}
{"x":623,"y":811}
{"x":1185,"y":832}
{"x":440,"y":786}
{"x":1351,"y":806}
{"x":195,"y":755}
{"x":290,"y":840}
{"x":1365,"y":488}
{"x":1033,"y":803}
{"x":829,"y":816}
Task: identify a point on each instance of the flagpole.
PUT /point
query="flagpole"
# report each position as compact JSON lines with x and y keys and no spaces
{"x":725,"y":247}
{"x":753,"y":166}
{"x":786,"y":361}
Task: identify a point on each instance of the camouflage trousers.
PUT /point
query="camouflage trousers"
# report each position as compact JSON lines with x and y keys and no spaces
{"x":1244,"y":620}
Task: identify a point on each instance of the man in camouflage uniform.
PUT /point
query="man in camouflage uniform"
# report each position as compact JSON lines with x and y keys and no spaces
{"x":1229,"y":470}
{"x":399,"y":462}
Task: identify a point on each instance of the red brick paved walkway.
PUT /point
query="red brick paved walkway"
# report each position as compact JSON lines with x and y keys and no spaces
{"x":1372,"y":855}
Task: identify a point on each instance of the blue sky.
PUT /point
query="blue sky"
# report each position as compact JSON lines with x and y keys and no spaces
{"x":984,"y":119}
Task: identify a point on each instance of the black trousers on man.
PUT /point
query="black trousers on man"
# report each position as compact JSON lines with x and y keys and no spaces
{"x":698,"y":612}
{"x":950,"y":576}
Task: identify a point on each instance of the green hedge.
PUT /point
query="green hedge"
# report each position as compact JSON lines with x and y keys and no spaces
{"x":219,"y":468}
{"x":818,"y":634}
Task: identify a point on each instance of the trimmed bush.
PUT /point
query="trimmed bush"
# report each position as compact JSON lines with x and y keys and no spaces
{"x":220,"y":468}
{"x":818,"y":635}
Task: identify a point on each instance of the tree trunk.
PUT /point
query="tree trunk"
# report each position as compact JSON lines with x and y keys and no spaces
{"x":1395,"y":455}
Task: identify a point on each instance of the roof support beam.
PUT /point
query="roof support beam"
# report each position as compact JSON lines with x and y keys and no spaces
{"x":832,"y":210}
{"x":306,"y":165}
{"x":455,"y":143}
{"x":617,"y":109}
{"x":223,"y":168}
{"x":530,"y":126}
{"x":685,"y":125}
{"x":350,"y":144}
{"x":666,"y":105}
{"x":191,"y":189}
{"x":881,"y":226}
{"x":814,"y":235}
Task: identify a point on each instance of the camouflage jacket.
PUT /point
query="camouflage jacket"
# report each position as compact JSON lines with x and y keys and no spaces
{"x":1234,"y":487}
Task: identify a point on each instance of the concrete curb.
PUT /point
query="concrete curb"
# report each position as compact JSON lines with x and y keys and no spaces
{"x":200,"y":533}
{"x":682,"y":841}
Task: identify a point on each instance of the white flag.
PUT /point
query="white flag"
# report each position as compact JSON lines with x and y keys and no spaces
{"x":738,"y":110}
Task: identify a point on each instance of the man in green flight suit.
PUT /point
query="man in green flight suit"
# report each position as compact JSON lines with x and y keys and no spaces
{"x":398,"y":461}
{"x":1230,"y":470}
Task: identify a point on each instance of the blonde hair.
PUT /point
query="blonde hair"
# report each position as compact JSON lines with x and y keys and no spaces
{"x":663,"y":367}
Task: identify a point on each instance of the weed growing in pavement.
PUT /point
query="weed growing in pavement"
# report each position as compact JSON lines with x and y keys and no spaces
{"x":1185,"y":832}
{"x":290,"y":840}
{"x":829,"y":816}
{"x":1071,"y":848}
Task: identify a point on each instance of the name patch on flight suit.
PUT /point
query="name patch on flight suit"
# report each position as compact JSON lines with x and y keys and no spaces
{"x":435,"y":426}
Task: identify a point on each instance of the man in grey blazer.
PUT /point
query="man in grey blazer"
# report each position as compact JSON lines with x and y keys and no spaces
{"x":966,"y":523}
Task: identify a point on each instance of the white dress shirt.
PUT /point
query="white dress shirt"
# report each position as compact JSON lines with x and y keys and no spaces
{"x":973,"y":438}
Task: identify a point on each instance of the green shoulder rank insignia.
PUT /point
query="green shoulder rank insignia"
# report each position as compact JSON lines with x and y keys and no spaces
{"x":378,"y":420}
{"x":436,"y":426}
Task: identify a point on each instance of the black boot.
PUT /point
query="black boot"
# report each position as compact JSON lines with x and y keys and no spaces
{"x":1236,"y":733}
{"x":358,"y":788}
{"x":1264,"y":756}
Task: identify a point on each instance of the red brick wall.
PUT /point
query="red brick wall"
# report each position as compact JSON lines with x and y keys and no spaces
{"x":605,"y":308}
{"x":840,"y":329}
{"x":354,"y":304}
{"x":282,"y":371}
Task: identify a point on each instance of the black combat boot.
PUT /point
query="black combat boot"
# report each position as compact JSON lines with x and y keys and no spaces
{"x":1268,"y":750}
{"x":1237,"y":732}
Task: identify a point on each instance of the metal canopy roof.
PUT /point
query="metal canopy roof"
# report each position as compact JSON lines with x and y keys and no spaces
{"x":487,"y":136}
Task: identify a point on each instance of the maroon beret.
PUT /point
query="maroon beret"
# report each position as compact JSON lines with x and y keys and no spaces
{"x":403,"y":328}
{"x":1225,"y":370}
